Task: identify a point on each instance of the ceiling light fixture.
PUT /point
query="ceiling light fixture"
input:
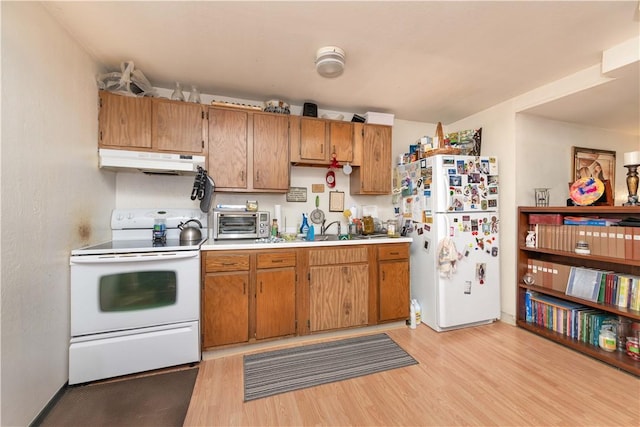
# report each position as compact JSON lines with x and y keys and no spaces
{"x":330,"y":61}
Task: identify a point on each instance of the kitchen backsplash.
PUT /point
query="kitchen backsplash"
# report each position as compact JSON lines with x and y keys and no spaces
{"x":137,"y":190}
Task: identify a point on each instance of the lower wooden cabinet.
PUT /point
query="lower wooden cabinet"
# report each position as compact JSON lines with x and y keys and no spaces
{"x":225,"y":298}
{"x":393,"y":282}
{"x":276,"y":294}
{"x":226,"y":304}
{"x":338,"y":287}
{"x":250,"y":295}
{"x":338,"y":296}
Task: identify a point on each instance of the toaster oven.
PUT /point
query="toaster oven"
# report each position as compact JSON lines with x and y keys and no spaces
{"x":240,"y":225}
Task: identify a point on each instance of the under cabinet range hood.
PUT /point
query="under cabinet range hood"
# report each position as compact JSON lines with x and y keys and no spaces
{"x":150,"y":162}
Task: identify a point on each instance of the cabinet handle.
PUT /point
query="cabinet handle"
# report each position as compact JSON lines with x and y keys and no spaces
{"x":258,"y":176}
{"x":274,"y":261}
{"x":322,"y":149}
{"x":261,"y":286}
{"x":226,"y":264}
{"x":383,"y":276}
{"x":244,"y":288}
{"x":394,"y":253}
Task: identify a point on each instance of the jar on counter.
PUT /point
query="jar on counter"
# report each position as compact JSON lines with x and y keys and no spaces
{"x":368,"y":226}
{"x":607,"y":339}
{"x":391,"y":227}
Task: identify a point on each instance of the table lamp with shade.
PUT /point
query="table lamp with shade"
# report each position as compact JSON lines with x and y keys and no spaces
{"x":631,"y":162}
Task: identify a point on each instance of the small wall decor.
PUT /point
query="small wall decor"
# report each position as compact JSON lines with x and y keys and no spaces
{"x":336,"y":201}
{"x":297,"y":194}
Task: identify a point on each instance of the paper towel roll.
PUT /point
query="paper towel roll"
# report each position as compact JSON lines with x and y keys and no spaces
{"x":277,"y":214}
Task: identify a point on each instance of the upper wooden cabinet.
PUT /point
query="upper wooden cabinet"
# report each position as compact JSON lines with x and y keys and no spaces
{"x":152,"y":124}
{"x":228,"y":142}
{"x":314,"y":141}
{"x":177,"y":126}
{"x":248,"y":151}
{"x":124,"y":121}
{"x":270,"y":152}
{"x":374,"y":174}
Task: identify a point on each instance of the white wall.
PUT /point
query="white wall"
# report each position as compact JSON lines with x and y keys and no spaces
{"x":545,"y":156}
{"x":53,"y":200}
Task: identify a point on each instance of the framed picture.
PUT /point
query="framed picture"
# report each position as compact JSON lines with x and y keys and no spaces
{"x":336,"y":201}
{"x":589,"y":162}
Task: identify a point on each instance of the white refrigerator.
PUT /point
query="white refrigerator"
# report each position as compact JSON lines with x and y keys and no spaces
{"x":449,"y":206}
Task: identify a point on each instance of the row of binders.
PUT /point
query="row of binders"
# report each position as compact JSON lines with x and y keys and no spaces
{"x":611,"y":241}
{"x":600,"y":286}
{"x":570,"y":319}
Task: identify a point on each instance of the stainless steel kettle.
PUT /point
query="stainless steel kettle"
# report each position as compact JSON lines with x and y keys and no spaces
{"x":190,"y":233}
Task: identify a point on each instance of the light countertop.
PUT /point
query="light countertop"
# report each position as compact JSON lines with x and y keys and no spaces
{"x":217,"y":245}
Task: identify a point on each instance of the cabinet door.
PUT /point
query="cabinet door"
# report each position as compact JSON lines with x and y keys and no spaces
{"x":376,"y":165}
{"x":394,"y":290}
{"x":177,"y":126}
{"x":225,"y":317}
{"x":374,"y":174}
{"x":312,"y":139}
{"x":227,"y":162}
{"x":339,"y":296}
{"x":124,"y":121}
{"x":341,"y":140}
{"x":270,"y":152}
{"x":275,"y":303}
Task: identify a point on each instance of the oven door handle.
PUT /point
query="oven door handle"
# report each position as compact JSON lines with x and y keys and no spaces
{"x":146,"y":257}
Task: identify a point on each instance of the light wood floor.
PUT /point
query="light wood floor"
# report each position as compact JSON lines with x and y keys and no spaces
{"x":489,"y":375}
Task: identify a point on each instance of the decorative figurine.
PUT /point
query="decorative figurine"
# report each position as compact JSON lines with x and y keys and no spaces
{"x":530,"y":240}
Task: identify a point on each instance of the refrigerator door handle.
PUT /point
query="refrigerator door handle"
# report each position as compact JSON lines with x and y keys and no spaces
{"x":442,"y":192}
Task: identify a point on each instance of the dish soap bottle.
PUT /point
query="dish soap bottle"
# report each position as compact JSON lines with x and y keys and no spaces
{"x":304,"y":228}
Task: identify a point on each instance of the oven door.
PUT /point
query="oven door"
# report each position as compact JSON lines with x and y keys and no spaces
{"x":118,"y":292}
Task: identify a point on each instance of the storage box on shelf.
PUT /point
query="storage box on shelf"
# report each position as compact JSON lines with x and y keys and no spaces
{"x":379,"y":118}
{"x":573,"y":318}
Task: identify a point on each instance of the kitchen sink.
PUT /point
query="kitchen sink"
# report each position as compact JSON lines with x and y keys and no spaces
{"x":369,"y":236}
{"x":325,"y":237}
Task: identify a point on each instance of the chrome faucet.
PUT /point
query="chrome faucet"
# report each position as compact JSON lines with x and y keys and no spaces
{"x":323,"y":228}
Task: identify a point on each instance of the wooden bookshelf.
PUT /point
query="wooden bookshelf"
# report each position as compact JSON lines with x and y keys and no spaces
{"x":618,"y":359}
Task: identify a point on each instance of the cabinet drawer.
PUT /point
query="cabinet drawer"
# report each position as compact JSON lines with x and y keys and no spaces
{"x":226,"y":262}
{"x":393,"y":251}
{"x":330,"y":256}
{"x":276,"y":259}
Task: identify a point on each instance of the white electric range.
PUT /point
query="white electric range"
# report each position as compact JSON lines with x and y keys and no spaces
{"x":135,"y":300}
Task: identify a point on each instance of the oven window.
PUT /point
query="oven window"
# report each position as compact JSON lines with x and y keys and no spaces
{"x":138,"y":290}
{"x":237,"y":224}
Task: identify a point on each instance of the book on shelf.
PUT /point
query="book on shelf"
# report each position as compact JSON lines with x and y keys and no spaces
{"x":614,"y":242}
{"x":586,"y":220}
{"x":567,"y":318}
{"x":584,"y":283}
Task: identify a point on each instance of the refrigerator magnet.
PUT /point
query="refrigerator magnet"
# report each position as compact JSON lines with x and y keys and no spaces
{"x":480,"y":272}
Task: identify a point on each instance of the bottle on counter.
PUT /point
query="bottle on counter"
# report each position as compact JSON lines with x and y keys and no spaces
{"x":311,"y":233}
{"x":304,"y":228}
{"x":274,"y":228}
{"x":160,"y":230}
